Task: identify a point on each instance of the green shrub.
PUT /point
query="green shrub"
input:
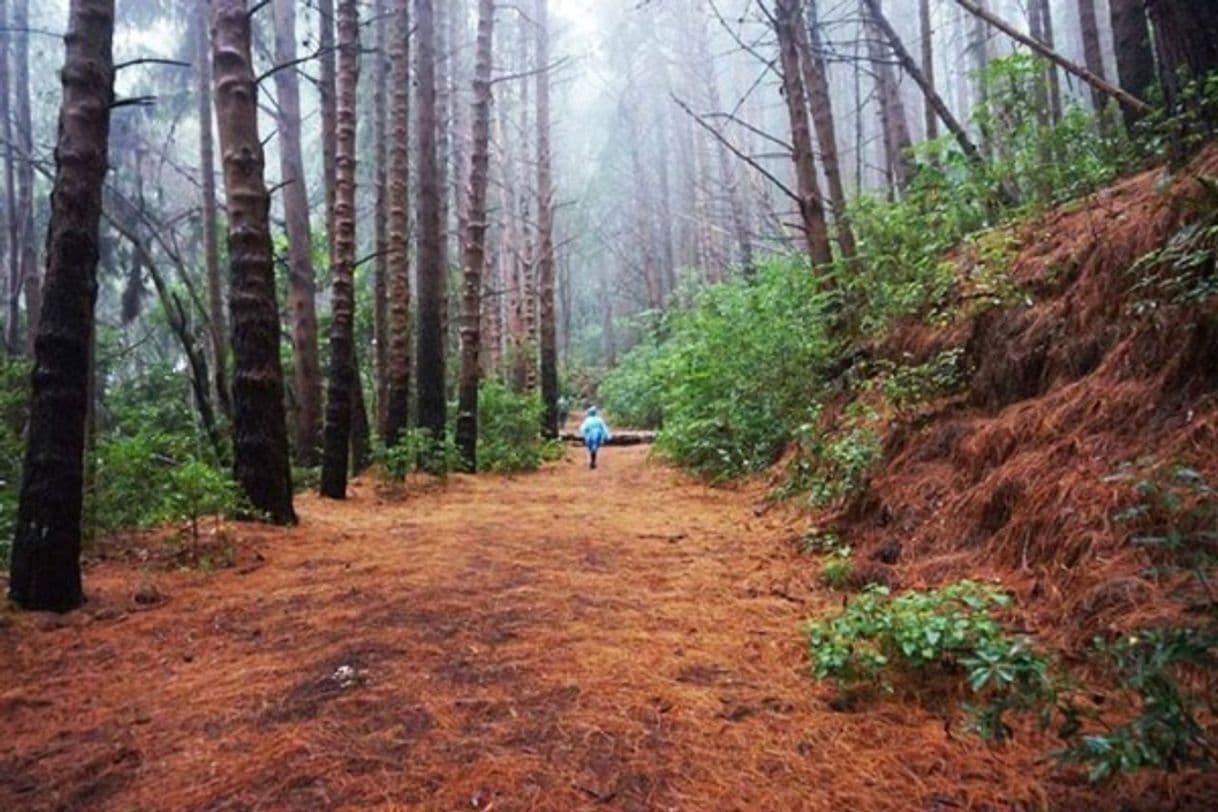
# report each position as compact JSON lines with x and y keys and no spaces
{"x":155,"y":478}
{"x":509,"y":436}
{"x":950,"y":628}
{"x":1165,"y":733}
{"x":734,"y":374}
{"x":834,"y":464}
{"x":14,"y":406}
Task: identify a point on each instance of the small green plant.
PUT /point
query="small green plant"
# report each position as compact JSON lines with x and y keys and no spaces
{"x":195,"y":489}
{"x":836,"y":465}
{"x":837,"y":568}
{"x":817,"y":540}
{"x":907,"y":386}
{"x":1166,"y":732}
{"x":1174,"y":516}
{"x":14,"y":402}
{"x":948,"y":629}
{"x":1184,"y":271}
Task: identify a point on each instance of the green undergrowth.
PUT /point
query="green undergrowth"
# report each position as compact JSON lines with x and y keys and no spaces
{"x":1144,"y":699}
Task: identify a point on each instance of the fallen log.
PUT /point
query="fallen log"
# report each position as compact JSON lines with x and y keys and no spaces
{"x":618,"y":438}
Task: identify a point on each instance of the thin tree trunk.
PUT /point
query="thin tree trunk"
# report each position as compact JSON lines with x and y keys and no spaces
{"x":12,"y":257}
{"x":897,"y":141}
{"x":474,"y":258}
{"x":816,"y":78}
{"x":259,"y":423}
{"x":25,"y":173}
{"x":1055,"y":91}
{"x":217,"y":320}
{"x":1089,"y":28}
{"x":545,"y":231}
{"x":398,"y":388}
{"x":433,"y":405}
{"x":928,"y":68}
{"x":45,"y":565}
{"x":811,"y":206}
{"x":302,"y":285}
{"x":325,"y":92}
{"x":344,"y":377}
{"x":1135,"y":60}
{"x":380,"y":286}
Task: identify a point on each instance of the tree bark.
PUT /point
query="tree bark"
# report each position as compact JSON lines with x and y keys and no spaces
{"x":816,"y":78}
{"x":897,"y":141}
{"x":474,"y":255}
{"x":1089,"y":28}
{"x":545,"y":232}
{"x":302,"y":285}
{"x":259,"y":423}
{"x":340,"y":393}
{"x":25,"y":173}
{"x":380,"y":274}
{"x":1045,"y":14}
{"x":217,"y":326}
{"x":45,"y":566}
{"x":12,"y":257}
{"x":398,"y":384}
{"x":811,"y":206}
{"x":325,"y":93}
{"x":928,"y":68}
{"x":1135,"y":60}
{"x":431,"y":276}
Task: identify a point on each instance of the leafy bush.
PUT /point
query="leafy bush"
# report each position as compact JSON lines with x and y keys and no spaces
{"x":1185,"y":269}
{"x":948,"y":628}
{"x":1165,"y":733}
{"x":834,"y":464}
{"x":509,"y":437}
{"x":416,"y":450}
{"x":837,"y":568}
{"x":155,"y":478}
{"x":735,"y":374}
{"x":909,"y":385}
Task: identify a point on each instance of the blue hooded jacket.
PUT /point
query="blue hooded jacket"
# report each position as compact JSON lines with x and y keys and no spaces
{"x":594,"y":430}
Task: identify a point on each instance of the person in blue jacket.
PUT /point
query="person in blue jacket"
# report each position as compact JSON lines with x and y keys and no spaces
{"x":595,"y":432}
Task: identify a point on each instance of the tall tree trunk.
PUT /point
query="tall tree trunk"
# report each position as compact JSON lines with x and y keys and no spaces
{"x":474,"y":255}
{"x":25,"y":172}
{"x":444,"y":61}
{"x":1045,"y":14}
{"x":344,"y":377}
{"x":545,"y":232}
{"x":433,"y":405}
{"x":45,"y":566}
{"x":398,"y":385}
{"x":217,"y":321}
{"x":12,"y":257}
{"x":259,"y":423}
{"x":816,"y":78}
{"x":302,"y":285}
{"x":325,"y":92}
{"x":897,"y":141}
{"x":1135,"y":60}
{"x":457,"y":76}
{"x":811,"y":206}
{"x":928,"y":67}
{"x":380,"y":285}
{"x":1089,"y":28}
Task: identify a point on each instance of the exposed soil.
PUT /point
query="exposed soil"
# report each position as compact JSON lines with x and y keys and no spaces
{"x":619,"y":639}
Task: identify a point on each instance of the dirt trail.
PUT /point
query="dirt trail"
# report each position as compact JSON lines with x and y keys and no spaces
{"x":618,"y":639}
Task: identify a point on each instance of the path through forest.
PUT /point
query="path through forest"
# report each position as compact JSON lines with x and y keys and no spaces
{"x":620,"y":638}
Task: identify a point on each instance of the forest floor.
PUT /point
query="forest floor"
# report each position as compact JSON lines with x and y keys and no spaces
{"x":621,"y":638}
